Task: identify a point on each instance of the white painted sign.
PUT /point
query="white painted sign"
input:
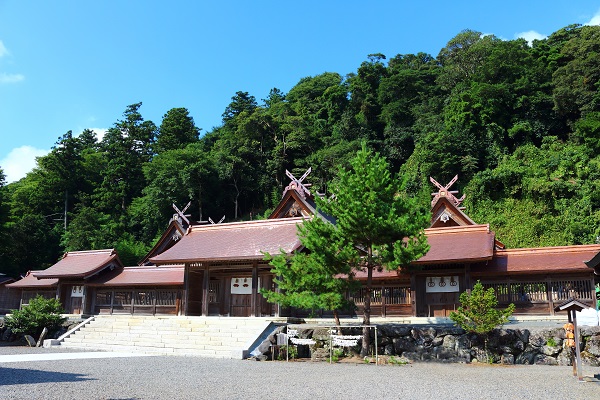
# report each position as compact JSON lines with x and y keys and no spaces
{"x":295,"y":340}
{"x":77,"y":291}
{"x":292,"y":335}
{"x":442,"y":284}
{"x":241,"y":285}
{"x":345,"y":340}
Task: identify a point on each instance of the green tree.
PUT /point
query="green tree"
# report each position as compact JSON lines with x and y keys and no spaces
{"x":316,"y":279}
{"x":126,"y":147}
{"x":577,"y":79}
{"x":174,"y":177}
{"x":376,"y":226}
{"x":176,"y":131}
{"x":478,"y":312}
{"x":241,"y":102}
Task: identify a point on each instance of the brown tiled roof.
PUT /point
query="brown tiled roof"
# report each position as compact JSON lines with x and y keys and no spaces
{"x":449,"y":245}
{"x":142,"y":276}
{"x":458,"y":244}
{"x":539,"y":260}
{"x":5,"y":279}
{"x":233,"y":241}
{"x":81,"y":264}
{"x":30,"y":281}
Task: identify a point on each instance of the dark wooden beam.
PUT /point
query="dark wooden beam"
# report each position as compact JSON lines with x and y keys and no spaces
{"x":254,"y":312}
{"x":205,"y":283}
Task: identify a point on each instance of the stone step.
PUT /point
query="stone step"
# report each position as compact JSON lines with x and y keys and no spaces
{"x":207,"y":337}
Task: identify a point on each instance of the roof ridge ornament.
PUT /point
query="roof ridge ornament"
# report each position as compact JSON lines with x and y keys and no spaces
{"x":180,"y":215}
{"x":297,"y":185}
{"x":444,"y":191}
{"x":216,"y":223}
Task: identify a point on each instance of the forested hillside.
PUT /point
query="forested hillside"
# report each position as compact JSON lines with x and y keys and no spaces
{"x":519,"y":124}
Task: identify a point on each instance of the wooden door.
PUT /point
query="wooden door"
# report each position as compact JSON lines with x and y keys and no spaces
{"x":76,"y":303}
{"x":241,"y":305}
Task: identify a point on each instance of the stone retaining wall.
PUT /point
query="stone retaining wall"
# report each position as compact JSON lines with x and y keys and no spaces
{"x":446,"y":343}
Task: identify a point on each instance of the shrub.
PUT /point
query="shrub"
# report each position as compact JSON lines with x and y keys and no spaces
{"x":478,"y":313}
{"x":40,"y":313}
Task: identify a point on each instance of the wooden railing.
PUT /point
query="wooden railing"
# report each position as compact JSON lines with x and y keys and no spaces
{"x":133,"y":301}
{"x":541,"y":291}
{"x":383,"y":295}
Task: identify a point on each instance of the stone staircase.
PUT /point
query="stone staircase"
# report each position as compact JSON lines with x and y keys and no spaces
{"x":216,"y":337}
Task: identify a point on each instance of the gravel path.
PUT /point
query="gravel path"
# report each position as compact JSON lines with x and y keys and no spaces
{"x":203,"y":378}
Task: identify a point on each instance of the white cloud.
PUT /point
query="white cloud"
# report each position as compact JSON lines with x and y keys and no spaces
{"x":4,"y":77}
{"x":3,"y":50}
{"x":20,"y":161}
{"x":530,"y":36}
{"x":11,"y":78}
{"x":595,"y":19}
{"x":100,"y":132}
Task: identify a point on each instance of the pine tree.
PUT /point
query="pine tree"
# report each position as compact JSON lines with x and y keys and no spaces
{"x":376,"y":226}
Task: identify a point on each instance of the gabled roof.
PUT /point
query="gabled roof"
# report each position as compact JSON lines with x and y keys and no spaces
{"x":458,"y":244}
{"x":167,"y":275}
{"x":571,"y":304}
{"x":81,"y":264}
{"x":444,"y":213}
{"x":540,"y":260}
{"x":29,"y":281}
{"x":594,"y":263}
{"x":171,"y":235}
{"x":234,"y":241}
{"x":294,"y":205}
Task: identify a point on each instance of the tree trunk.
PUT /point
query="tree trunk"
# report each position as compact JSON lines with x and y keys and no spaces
{"x":367,"y":311}
{"x":200,"y":201}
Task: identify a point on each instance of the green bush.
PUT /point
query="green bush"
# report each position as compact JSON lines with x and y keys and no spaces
{"x":478,"y":313}
{"x":40,"y":313}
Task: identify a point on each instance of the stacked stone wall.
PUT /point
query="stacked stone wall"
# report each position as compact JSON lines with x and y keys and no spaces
{"x":446,"y":343}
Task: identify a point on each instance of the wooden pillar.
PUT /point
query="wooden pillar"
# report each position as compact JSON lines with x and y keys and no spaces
{"x":205,"y":283}
{"x":549,"y":295}
{"x":383,"y":302}
{"x":577,"y":350}
{"x":186,"y":289}
{"x":467,"y":277}
{"x":254,"y":312}
{"x":83,"y":299}
{"x":413,"y":294}
{"x":276,"y":305}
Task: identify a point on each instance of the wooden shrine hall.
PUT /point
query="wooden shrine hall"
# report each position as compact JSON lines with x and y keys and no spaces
{"x":218,"y":269}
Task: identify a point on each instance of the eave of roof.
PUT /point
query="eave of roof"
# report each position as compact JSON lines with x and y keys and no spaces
{"x":30,"y":281}
{"x":172,"y":275}
{"x":81,"y":264}
{"x":247,"y":240}
{"x":540,"y":260}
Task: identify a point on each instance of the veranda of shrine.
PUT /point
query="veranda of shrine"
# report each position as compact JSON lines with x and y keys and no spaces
{"x":218,"y":269}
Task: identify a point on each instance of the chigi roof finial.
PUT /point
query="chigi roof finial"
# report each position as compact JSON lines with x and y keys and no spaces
{"x":296,"y":184}
{"x":444,"y":191}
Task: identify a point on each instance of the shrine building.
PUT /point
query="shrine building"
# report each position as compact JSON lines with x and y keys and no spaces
{"x":218,"y":269}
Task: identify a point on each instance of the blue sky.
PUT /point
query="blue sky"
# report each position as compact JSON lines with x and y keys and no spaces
{"x":70,"y":65}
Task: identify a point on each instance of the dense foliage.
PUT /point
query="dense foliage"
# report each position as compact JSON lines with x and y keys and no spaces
{"x":519,"y":123}
{"x":40,"y":313}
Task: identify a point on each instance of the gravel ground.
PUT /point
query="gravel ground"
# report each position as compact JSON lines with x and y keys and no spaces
{"x":203,"y":378}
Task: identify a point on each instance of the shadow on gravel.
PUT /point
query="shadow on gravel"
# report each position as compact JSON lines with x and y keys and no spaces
{"x":24,"y":376}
